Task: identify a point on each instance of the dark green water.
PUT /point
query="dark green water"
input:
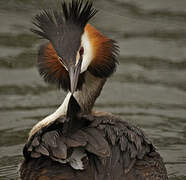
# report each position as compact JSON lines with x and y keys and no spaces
{"x":149,"y":87}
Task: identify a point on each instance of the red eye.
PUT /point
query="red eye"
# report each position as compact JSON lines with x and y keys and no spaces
{"x":81,"y":51}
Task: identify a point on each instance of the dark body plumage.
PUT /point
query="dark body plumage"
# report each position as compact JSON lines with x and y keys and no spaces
{"x":115,"y":150}
{"x":105,"y":146}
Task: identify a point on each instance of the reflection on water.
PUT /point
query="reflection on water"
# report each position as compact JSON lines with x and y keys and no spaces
{"x":150,"y":78}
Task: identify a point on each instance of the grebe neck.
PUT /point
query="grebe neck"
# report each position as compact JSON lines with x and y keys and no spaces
{"x":86,"y":98}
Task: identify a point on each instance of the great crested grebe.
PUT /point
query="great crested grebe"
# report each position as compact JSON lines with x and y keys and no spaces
{"x":75,"y":143}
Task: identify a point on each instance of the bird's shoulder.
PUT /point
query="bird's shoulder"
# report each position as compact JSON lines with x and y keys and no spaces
{"x":124,"y":134}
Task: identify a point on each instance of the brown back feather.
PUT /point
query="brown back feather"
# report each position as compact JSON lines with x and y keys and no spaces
{"x":112,"y":146}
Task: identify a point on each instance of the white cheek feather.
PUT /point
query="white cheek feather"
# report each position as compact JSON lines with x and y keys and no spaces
{"x":76,"y":159}
{"x":87,"y":56}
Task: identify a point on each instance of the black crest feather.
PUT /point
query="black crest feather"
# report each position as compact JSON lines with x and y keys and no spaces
{"x":51,"y":23}
{"x":63,"y":27}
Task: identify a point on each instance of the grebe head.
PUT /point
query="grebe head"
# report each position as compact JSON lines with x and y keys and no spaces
{"x":74,"y":46}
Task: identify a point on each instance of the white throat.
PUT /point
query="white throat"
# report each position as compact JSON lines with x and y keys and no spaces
{"x":61,"y":111}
